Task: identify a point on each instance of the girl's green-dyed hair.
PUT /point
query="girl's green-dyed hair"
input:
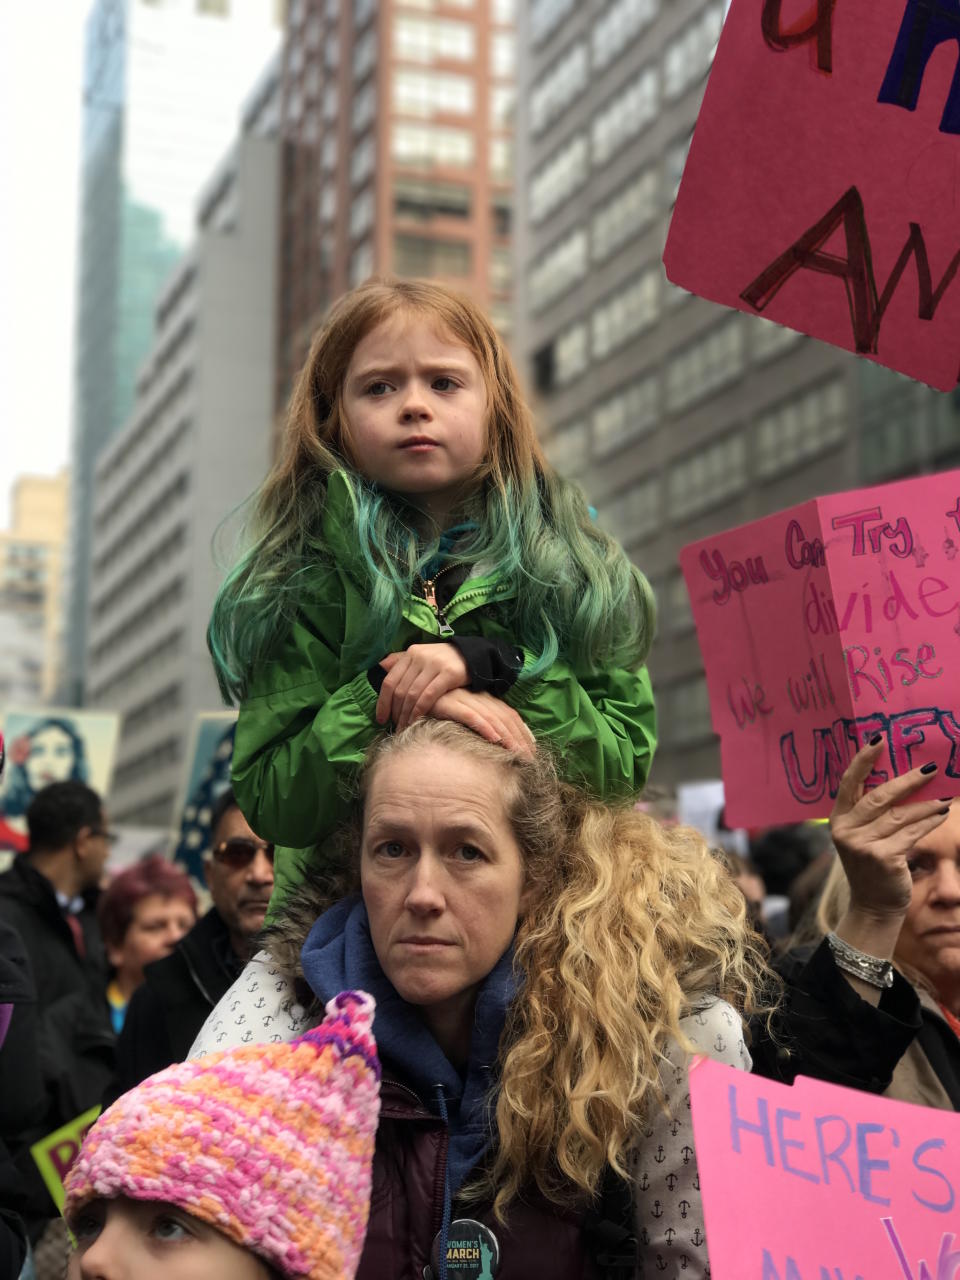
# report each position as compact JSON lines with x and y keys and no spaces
{"x":578,"y":597}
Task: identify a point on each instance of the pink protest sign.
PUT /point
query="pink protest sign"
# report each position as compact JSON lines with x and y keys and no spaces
{"x":823,"y":626}
{"x":821,"y":186}
{"x":816,"y":1182}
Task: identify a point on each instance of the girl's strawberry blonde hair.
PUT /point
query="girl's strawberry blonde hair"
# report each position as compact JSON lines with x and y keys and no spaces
{"x":577,"y":595}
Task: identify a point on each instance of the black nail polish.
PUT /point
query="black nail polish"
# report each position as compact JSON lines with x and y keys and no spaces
{"x":929,"y":768}
{"x":944,"y":810}
{"x":873,"y":741}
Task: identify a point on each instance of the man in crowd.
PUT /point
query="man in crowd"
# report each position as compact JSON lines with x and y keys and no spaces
{"x":48,"y":899}
{"x":179,"y":991}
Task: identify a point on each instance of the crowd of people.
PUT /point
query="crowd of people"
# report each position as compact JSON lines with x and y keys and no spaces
{"x":439,"y":1017}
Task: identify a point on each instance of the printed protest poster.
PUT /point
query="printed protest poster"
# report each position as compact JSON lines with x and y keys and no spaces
{"x":206,"y":778}
{"x":51,"y":745}
{"x":869,"y":1185}
{"x":55,"y":1154}
{"x":821,"y":186}
{"x":823,"y":626}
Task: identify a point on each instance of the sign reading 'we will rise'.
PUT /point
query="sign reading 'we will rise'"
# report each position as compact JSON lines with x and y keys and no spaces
{"x":826,"y":625}
{"x":823,"y":184}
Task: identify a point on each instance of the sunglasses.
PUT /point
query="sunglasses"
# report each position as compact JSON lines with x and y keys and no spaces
{"x":240,"y":852}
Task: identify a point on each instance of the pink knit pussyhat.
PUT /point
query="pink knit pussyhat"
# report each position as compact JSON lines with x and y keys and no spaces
{"x":271,"y":1144}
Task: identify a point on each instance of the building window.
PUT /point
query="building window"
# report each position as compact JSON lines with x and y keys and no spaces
{"x":768,"y":339}
{"x":555,"y":181}
{"x":545,"y":15}
{"x":361,"y":263}
{"x":677,"y":601}
{"x":634,"y":514}
{"x":417,"y":93}
{"x":631,"y":411}
{"x":421,"y":256}
{"x":504,"y":12}
{"x":568,"y":448}
{"x":559,"y":268}
{"x":501,"y":159}
{"x":501,"y":211}
{"x":686,"y":712}
{"x":625,"y":115}
{"x":674,"y":160}
{"x":364,"y":107}
{"x":706,"y":365}
{"x":427,"y":145}
{"x":363,"y":11}
{"x":421,"y":200}
{"x":502,"y":55}
{"x":801,"y":428}
{"x":622,"y":21}
{"x":502,"y":100}
{"x":712,"y":475}
{"x":364,"y":54}
{"x":688,"y":56}
{"x":328,"y":152}
{"x":501,"y":269}
{"x":626,"y":313}
{"x":558,"y":87}
{"x":627,"y":213}
{"x":432,"y":39}
{"x":361,"y":214}
{"x":362,"y":160}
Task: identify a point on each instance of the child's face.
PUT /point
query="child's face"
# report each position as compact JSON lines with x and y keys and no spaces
{"x":415,"y":409}
{"x":128,"y":1240}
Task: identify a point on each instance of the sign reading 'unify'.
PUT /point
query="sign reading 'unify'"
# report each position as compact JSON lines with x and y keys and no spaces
{"x":826,"y":625}
{"x":822,"y":184}
{"x":870,"y":1186}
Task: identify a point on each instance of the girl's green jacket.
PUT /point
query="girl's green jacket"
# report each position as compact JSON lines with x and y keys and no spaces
{"x":308,"y":717}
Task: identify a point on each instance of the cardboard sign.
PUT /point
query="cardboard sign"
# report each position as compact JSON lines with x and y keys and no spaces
{"x":816,"y":1182}
{"x":47,"y":745}
{"x":821,"y":185}
{"x":207,"y":777}
{"x":823,"y":626}
{"x":55,"y":1154}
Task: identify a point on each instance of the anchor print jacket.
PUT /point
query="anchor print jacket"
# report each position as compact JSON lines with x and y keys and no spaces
{"x":269,"y":1002}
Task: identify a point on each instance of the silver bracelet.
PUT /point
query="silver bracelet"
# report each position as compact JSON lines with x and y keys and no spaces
{"x":870,"y":969}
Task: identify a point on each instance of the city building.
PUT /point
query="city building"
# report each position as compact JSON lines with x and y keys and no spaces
{"x":163,"y":83}
{"x":31,"y":558}
{"x":194,"y":448}
{"x":679,"y":417}
{"x":398,"y":124}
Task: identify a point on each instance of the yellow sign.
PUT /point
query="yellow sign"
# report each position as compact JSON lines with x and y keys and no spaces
{"x":56,"y":1153}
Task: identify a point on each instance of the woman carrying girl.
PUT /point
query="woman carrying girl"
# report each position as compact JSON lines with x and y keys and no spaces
{"x":415,"y":555}
{"x":544,"y":966}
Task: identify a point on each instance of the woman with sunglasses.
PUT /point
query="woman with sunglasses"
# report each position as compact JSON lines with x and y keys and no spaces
{"x":179,"y":991}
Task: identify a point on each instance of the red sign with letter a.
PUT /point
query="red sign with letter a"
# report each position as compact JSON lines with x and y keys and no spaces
{"x":823,"y":184}
{"x":826,"y":625}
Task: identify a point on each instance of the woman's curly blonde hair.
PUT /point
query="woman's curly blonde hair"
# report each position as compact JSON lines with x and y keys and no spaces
{"x":630,"y":927}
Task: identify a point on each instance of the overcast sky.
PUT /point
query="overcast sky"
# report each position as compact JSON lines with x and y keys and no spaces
{"x":40,"y":86}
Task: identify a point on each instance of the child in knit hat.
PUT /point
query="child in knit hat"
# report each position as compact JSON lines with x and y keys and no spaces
{"x":242,"y":1165}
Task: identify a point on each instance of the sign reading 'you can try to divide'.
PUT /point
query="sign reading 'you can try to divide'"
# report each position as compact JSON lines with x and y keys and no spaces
{"x":826,"y":625}
{"x":822,"y":188}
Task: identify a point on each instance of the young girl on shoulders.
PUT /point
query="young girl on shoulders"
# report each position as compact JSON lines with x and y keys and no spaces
{"x":413,"y":554}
